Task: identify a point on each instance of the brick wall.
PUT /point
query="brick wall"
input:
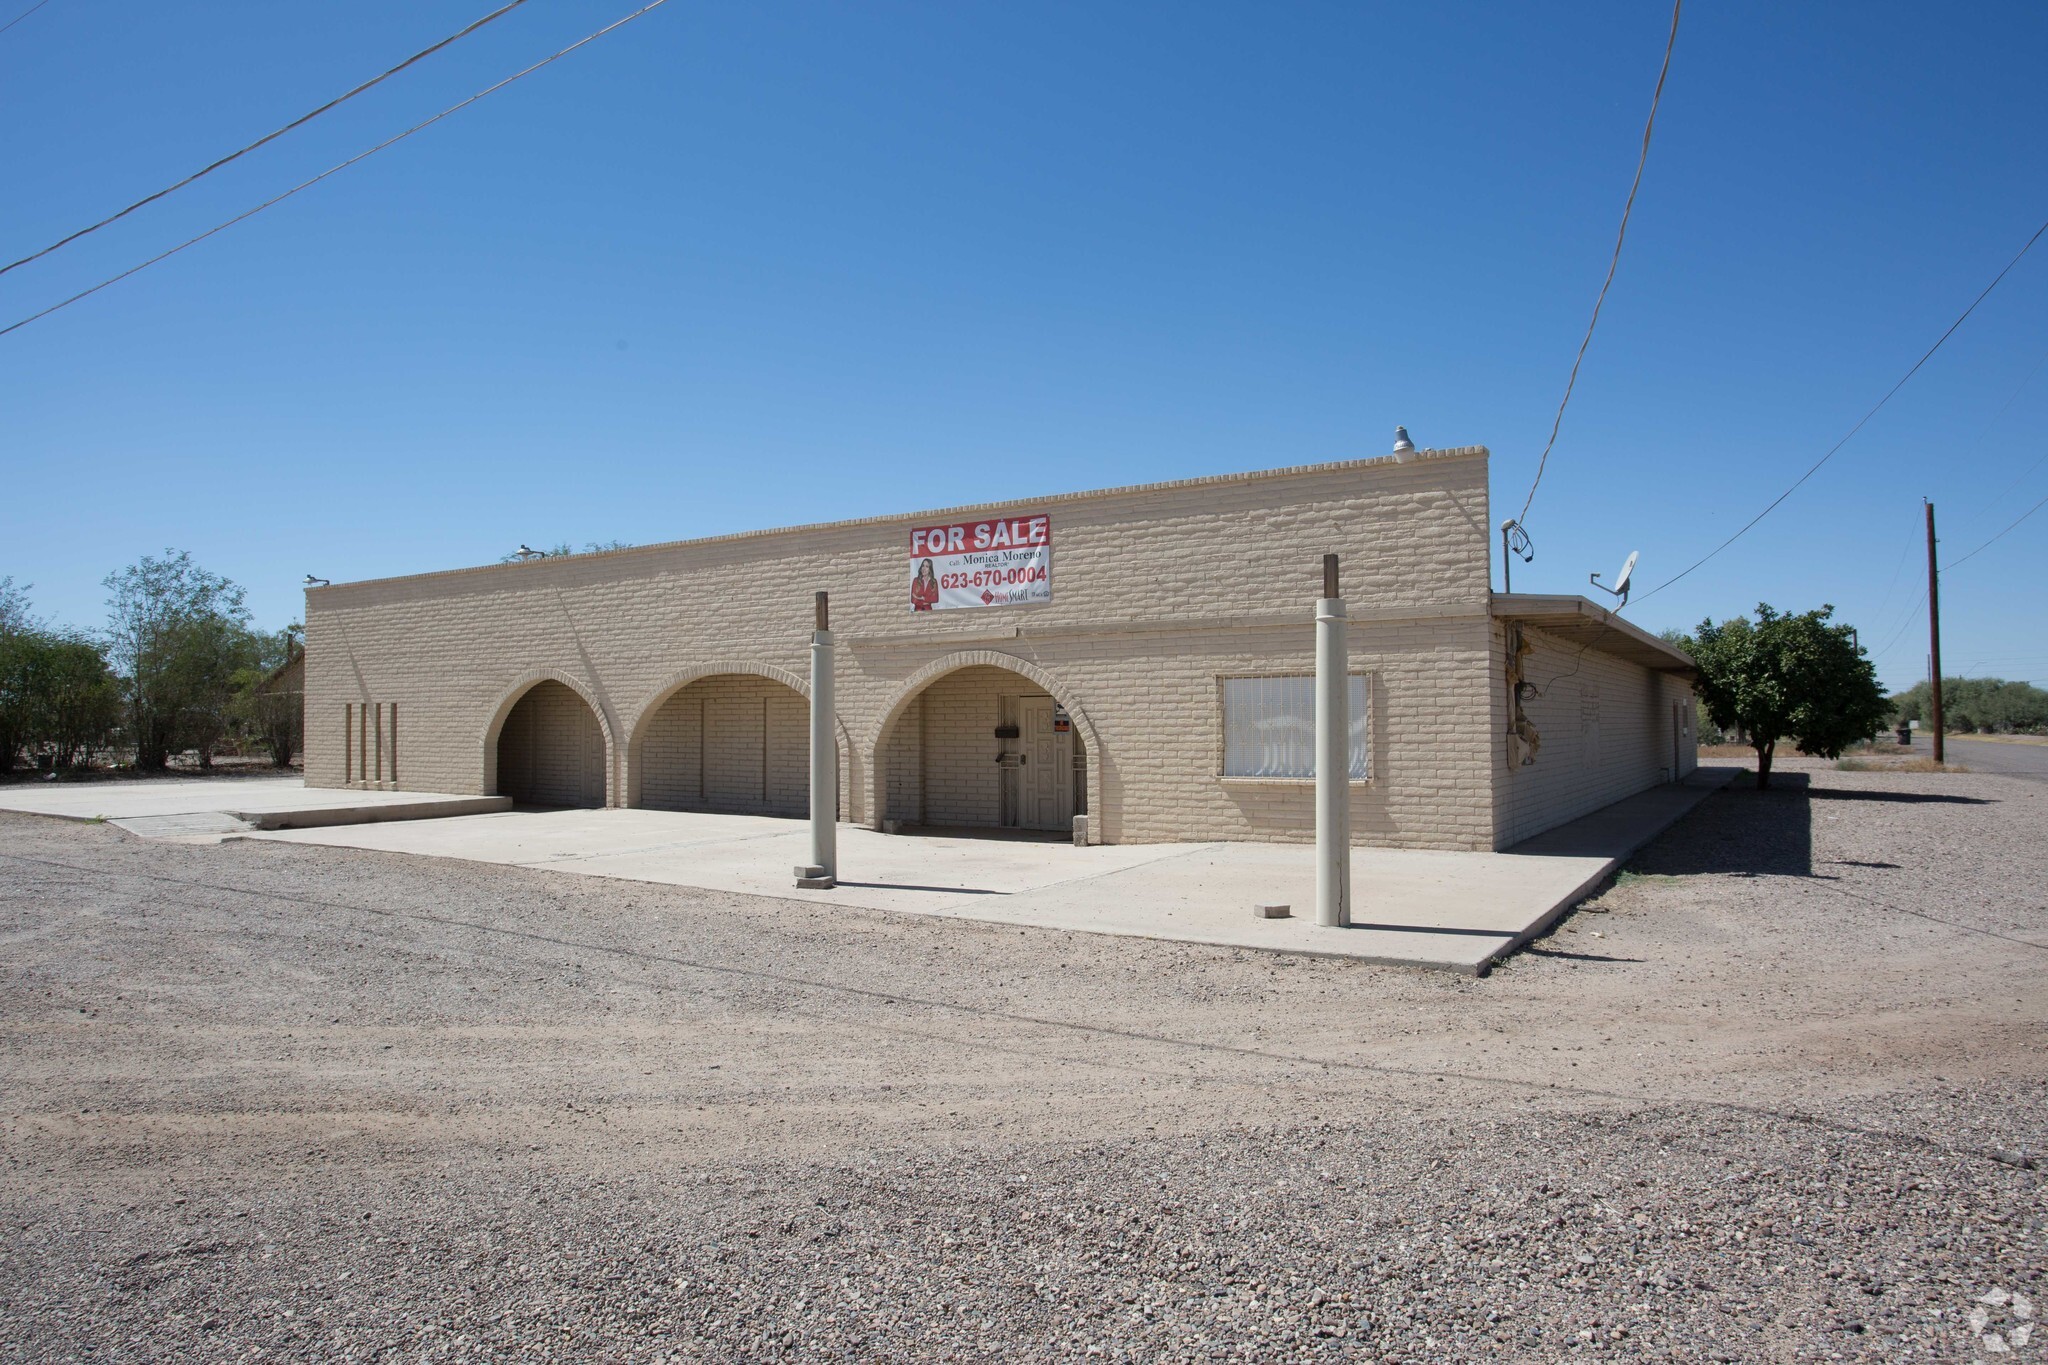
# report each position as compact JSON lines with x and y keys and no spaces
{"x":941,"y":751}
{"x":1157,"y":592}
{"x":1606,"y":726}
{"x":734,"y":743}
{"x":551,"y":751}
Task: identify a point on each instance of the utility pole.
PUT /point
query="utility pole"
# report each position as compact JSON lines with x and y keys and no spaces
{"x":1934,"y":635}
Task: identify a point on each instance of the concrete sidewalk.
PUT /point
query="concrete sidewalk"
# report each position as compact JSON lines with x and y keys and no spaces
{"x":1453,"y":911}
{"x":204,"y":809}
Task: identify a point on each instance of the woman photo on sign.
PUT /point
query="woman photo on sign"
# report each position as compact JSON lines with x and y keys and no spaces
{"x":924,"y":589}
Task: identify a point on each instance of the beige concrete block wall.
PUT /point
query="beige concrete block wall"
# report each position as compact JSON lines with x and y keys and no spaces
{"x":1156,"y":756}
{"x":1156,"y":592}
{"x":940,"y":754}
{"x":958,"y":778}
{"x":1607,"y":729}
{"x":734,"y":743}
{"x":551,"y":750}
{"x":901,"y":761}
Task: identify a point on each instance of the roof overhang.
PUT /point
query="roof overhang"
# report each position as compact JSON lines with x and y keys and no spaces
{"x":1588,"y":623}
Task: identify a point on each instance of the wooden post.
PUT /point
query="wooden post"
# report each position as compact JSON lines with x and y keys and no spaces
{"x":1934,"y":637}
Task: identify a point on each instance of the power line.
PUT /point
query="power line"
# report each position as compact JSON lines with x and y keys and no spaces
{"x":1613,"y":261}
{"x":1913,"y":613}
{"x":1911,"y":616}
{"x":1859,"y":422}
{"x":1995,"y":539}
{"x":422,"y":54}
{"x":342,"y":166}
{"x":1892,"y":586}
{"x":23,"y":15}
{"x":2016,"y":482}
{"x":2018,"y":391}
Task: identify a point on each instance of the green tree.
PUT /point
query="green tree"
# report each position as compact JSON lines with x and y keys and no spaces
{"x":17,"y":697}
{"x":208,"y":655}
{"x":1788,"y":677}
{"x":15,"y":615}
{"x":15,"y":621}
{"x":562,"y":548}
{"x":77,"y":704}
{"x":59,"y":701}
{"x":268,"y":709}
{"x":1992,"y":705}
{"x":176,"y":634}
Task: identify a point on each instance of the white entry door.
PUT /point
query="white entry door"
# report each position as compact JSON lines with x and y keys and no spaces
{"x":1044,"y":778}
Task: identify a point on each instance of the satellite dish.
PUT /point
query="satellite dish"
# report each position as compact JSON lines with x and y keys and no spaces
{"x":1620,"y":588}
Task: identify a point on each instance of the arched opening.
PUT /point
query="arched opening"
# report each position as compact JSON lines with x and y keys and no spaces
{"x":727,"y":743}
{"x":983,"y":746}
{"x":551,"y":749}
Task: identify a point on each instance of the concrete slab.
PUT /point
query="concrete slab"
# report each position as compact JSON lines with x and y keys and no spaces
{"x":200,"y":808}
{"x":199,"y":827}
{"x":1454,"y":911}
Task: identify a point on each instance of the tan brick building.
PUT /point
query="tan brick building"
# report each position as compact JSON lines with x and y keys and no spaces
{"x":1159,"y":690}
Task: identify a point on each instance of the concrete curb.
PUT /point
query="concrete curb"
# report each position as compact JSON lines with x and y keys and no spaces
{"x":369,"y":815}
{"x":1703,"y":783}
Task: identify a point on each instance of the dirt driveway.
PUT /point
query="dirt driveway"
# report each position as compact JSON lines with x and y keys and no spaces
{"x":1775,"y":1095}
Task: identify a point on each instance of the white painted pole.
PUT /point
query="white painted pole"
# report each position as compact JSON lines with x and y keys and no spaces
{"x":1333,"y":756}
{"x":824,"y":754}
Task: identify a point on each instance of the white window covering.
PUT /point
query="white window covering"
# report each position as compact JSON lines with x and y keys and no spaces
{"x":1269,"y":728}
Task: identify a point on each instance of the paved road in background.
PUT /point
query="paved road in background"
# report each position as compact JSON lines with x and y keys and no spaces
{"x":1992,"y":756}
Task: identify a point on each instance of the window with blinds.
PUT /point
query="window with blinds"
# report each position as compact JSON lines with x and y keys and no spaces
{"x":1269,"y":728}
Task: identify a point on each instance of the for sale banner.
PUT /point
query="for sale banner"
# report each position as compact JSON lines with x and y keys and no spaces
{"x":1001,"y":562}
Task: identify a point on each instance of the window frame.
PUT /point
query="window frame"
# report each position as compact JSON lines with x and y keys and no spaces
{"x":1372,"y":765}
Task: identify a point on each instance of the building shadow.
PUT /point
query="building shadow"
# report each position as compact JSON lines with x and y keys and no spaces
{"x":1739,"y":831}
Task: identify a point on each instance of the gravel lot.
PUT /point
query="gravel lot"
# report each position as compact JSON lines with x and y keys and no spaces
{"x":1775,"y":1095}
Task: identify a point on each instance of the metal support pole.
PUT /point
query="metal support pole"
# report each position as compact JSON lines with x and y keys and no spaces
{"x":824,"y":867}
{"x":1333,"y":756}
{"x":1934,"y":638}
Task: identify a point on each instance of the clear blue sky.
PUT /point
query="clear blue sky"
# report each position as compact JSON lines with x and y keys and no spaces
{"x":746,"y":265}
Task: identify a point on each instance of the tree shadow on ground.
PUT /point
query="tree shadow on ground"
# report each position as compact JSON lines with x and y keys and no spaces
{"x":1739,"y":831}
{"x":1910,"y":798}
